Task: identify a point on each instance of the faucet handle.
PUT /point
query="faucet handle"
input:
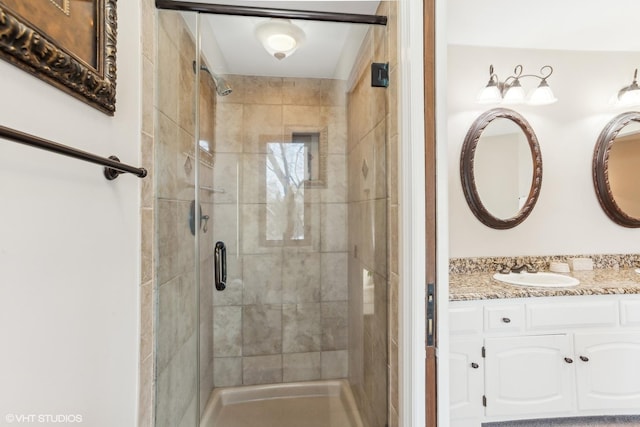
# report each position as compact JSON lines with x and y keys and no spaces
{"x":518,"y":268}
{"x":504,"y":269}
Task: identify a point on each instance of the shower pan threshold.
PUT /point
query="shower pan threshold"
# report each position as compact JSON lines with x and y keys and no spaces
{"x":327,"y":403}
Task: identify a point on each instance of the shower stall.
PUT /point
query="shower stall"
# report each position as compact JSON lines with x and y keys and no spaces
{"x":271,"y":206}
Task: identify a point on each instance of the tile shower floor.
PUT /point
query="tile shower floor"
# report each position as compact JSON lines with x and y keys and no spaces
{"x":307,"y":404}
{"x":286,"y":412}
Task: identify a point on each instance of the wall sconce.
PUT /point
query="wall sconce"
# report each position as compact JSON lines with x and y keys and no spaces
{"x":510,"y":91}
{"x":279,"y":37}
{"x":629,"y":95}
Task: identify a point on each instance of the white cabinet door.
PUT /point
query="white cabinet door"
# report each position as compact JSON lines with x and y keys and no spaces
{"x":608,"y":370}
{"x":466,"y":373}
{"x":529,"y":375}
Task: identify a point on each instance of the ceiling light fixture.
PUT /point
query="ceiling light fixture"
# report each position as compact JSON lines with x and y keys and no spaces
{"x":510,"y":91}
{"x":280,"y":37}
{"x":629,"y":95}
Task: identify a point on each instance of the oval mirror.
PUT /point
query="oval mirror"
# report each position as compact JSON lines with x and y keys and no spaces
{"x":616,"y":171}
{"x":501,"y":168}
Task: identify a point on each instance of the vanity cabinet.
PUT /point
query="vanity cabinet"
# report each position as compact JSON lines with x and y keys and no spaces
{"x":544,"y":357}
{"x":528,"y":375}
{"x":608,"y":370}
{"x":466,"y":378}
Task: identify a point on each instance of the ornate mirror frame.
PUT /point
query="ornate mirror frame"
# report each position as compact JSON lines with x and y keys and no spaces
{"x":467,"y":168}
{"x":600,"y":169}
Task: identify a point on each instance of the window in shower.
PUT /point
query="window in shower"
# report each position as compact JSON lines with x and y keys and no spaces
{"x":292,"y":169}
{"x":286,"y":172}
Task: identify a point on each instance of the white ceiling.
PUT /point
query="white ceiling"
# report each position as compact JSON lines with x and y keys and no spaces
{"x":328,"y":51}
{"x":595,"y":25}
{"x":330,"y":48}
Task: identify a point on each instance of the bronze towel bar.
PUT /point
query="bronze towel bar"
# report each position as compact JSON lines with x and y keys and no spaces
{"x":112,"y":165}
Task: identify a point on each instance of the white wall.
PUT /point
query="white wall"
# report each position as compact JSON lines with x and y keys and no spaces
{"x":69,"y":249}
{"x":567,"y":218}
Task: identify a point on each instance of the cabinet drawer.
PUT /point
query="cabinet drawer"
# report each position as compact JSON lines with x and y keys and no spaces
{"x":572,"y":315}
{"x":504,"y":318}
{"x":630,"y":313}
{"x":465,"y":320}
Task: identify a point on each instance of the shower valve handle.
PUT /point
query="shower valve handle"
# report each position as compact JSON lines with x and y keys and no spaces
{"x":197,"y":220}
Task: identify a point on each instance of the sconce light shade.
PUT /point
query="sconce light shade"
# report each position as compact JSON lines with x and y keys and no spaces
{"x":280,"y":37}
{"x":629,"y":95}
{"x":489,"y":95}
{"x":542,"y":95}
{"x":514,"y":93}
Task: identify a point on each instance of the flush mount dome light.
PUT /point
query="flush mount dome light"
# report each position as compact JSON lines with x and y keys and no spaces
{"x":279,"y":37}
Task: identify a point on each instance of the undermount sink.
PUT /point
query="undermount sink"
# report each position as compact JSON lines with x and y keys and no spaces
{"x":542,"y":280}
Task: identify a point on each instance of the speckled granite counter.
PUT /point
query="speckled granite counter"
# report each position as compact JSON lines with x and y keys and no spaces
{"x":477,"y":286}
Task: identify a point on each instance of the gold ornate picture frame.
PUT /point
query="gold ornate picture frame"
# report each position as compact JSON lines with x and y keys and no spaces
{"x":70,"y":44}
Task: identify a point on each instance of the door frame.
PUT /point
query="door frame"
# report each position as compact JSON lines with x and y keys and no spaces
{"x":423,"y":240}
{"x":412,"y":246}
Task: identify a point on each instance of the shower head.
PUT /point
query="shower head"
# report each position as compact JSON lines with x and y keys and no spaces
{"x":222,"y":87}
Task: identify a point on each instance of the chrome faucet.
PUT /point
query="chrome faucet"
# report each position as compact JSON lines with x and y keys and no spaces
{"x":522,"y":267}
{"x":518,"y":267}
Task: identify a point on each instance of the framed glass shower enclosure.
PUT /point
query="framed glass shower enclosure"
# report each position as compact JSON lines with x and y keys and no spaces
{"x":271,"y":213}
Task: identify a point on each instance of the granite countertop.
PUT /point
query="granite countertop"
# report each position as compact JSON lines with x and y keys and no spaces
{"x":478,"y":286}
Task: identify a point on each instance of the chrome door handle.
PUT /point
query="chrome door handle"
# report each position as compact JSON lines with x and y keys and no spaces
{"x":220,"y":266}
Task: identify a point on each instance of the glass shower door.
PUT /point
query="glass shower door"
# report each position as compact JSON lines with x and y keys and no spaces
{"x":176,"y":263}
{"x":280,"y":160}
{"x":301,"y":204}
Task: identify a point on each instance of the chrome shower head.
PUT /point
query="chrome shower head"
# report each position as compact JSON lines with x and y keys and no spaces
{"x":222,"y":87}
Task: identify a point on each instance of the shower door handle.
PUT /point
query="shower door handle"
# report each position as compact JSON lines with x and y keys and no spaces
{"x":220,"y":266}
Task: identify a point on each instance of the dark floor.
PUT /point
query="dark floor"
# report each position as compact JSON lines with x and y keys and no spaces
{"x":606,"y":421}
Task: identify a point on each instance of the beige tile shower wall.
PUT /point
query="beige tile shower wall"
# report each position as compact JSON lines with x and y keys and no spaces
{"x":176,"y":364}
{"x":373,"y":229}
{"x":368,"y":289}
{"x":283,"y":316}
{"x":147,"y":360}
{"x":168,"y":149}
{"x":393,"y":224}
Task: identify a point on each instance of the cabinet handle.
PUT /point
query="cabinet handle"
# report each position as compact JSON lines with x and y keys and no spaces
{"x":568,"y":360}
{"x":584,"y":358}
{"x":506,"y":320}
{"x":474,"y":365}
